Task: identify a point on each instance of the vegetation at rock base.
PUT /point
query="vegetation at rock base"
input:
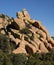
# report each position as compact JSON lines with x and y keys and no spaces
{"x":22,"y":59}
{"x":5,"y":44}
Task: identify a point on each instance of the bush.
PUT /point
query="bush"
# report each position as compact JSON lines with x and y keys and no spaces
{"x":4,"y":59}
{"x":25,"y":31}
{"x":4,"y":43}
{"x":18,"y":59}
{"x":1,"y":57}
{"x":41,"y":59}
{"x":31,"y":60}
{"x":7,"y":60}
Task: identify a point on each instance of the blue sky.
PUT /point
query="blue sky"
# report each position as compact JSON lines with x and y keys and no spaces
{"x":42,"y":10}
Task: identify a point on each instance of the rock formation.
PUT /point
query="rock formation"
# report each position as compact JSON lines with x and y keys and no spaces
{"x":30,"y":35}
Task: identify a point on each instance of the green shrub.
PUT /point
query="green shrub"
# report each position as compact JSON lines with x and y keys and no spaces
{"x":4,"y":59}
{"x":7,"y":60}
{"x":31,"y":60}
{"x":18,"y":59}
{"x":4,"y":43}
{"x":25,"y":31}
{"x":1,"y":57}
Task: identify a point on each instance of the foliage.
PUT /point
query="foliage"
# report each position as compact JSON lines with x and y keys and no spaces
{"x":41,"y":59}
{"x":4,"y":59}
{"x":22,"y":59}
{"x":18,"y":59}
{"x":7,"y":58}
{"x":25,"y":31}
{"x":4,"y":43}
{"x":1,"y":57}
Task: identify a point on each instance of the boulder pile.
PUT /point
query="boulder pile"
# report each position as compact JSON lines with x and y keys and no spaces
{"x":29,"y":35}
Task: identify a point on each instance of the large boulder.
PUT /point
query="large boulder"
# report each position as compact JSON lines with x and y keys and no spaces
{"x":20,"y":23}
{"x":29,"y":35}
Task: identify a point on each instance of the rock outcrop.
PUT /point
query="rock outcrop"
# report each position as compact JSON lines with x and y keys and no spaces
{"x":30,"y":35}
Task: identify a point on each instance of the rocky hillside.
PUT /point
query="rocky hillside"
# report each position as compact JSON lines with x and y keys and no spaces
{"x":29,"y":35}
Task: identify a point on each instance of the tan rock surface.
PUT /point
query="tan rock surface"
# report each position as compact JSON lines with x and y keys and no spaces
{"x":29,"y":34}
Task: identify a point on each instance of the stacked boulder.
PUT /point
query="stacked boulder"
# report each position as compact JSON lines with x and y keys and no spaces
{"x":30,"y":36}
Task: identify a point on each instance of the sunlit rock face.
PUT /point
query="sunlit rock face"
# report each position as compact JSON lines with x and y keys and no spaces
{"x":29,"y":35}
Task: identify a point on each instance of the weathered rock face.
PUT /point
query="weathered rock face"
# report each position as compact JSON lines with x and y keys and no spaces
{"x":30,"y":35}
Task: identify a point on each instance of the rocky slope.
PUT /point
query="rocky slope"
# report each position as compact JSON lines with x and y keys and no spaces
{"x":29,"y":35}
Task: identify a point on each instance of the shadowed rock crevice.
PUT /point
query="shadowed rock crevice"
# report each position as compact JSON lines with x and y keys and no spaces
{"x":36,"y":24}
{"x":17,"y":45}
{"x":28,"y":49}
{"x":13,"y":25}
